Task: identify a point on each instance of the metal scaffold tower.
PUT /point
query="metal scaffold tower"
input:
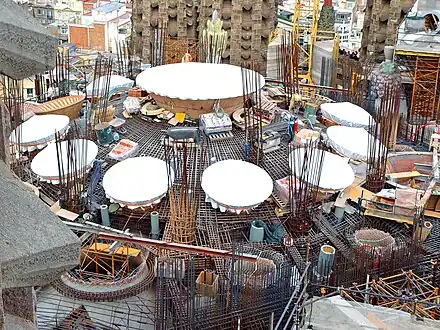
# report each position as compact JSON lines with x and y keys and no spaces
{"x":424,"y":101}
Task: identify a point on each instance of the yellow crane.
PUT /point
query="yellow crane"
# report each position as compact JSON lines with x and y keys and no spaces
{"x":305,"y":28}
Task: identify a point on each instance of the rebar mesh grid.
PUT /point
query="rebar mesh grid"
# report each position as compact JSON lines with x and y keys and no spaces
{"x":188,"y":300}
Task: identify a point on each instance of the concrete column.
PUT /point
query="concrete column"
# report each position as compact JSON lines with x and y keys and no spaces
{"x":2,"y":313}
{"x":181,"y":19}
{"x":5,"y":131}
{"x":236,"y":20}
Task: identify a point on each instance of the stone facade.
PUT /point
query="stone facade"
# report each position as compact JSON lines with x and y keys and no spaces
{"x":36,"y":247}
{"x":248,"y":23}
{"x":382,"y":19}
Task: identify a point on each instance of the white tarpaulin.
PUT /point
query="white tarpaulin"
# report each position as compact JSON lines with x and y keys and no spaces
{"x":346,"y":114}
{"x":117,"y":84}
{"x":351,"y":142}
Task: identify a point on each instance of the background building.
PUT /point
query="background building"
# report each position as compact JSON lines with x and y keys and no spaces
{"x":248,"y":23}
{"x":101,"y":28}
{"x":68,"y":12}
{"x":382,"y":18}
{"x":45,"y":14}
{"x":343,"y":22}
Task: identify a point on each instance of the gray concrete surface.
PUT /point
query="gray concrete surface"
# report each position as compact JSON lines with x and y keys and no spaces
{"x":337,"y":313}
{"x":26,"y":48}
{"x":36,"y":246}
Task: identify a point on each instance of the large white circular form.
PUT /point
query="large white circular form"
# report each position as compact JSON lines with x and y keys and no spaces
{"x":196,"y":81}
{"x":347,"y":114}
{"x":351,"y":142}
{"x":236,"y":185}
{"x":336,"y":173}
{"x":115,"y":84}
{"x":137,"y":182}
{"x":45,"y":163}
{"x":38,"y":131}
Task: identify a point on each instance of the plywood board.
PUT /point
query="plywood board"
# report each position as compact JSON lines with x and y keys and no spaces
{"x":403,"y":175}
{"x":56,"y":208}
{"x":432,"y":214}
{"x":389,"y":216}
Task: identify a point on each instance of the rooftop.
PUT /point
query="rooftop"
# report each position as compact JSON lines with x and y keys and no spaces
{"x":109,"y":7}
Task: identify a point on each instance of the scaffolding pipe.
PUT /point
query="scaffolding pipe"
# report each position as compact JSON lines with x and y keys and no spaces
{"x":291,"y":298}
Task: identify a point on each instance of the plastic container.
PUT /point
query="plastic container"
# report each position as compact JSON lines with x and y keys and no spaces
{"x":257,"y":233}
{"x":124,"y":149}
{"x":117,"y":123}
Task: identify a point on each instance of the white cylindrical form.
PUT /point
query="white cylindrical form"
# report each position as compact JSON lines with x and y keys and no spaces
{"x":256,"y":233}
{"x":155,"y":230}
{"x":325,"y":260}
{"x":389,"y":53}
{"x":422,"y":232}
{"x":339,"y":212}
{"x":105,"y":218}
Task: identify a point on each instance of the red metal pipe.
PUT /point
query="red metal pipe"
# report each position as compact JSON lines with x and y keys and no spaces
{"x":192,"y":249}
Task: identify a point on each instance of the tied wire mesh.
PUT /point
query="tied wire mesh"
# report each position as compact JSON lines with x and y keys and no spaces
{"x":72,"y":168}
{"x":192,"y":295}
{"x":305,"y":163}
{"x":185,"y":163}
{"x":382,"y":127}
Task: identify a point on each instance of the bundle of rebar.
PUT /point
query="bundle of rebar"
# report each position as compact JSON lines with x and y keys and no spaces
{"x":72,"y":168}
{"x":287,"y":65}
{"x":12,"y":113}
{"x":158,"y":45}
{"x":382,"y":127}
{"x":305,"y":163}
{"x":185,"y":165}
{"x":252,"y":115}
{"x":124,"y":59}
{"x":101,"y":89}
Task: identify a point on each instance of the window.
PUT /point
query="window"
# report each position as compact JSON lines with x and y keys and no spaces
{"x":63,"y":30}
{"x":29,"y":92}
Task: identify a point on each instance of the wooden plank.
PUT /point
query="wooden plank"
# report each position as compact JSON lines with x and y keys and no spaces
{"x":430,"y":205}
{"x":437,"y":205}
{"x":427,"y":194}
{"x":432,"y":214}
{"x":403,"y":175}
{"x":435,"y":164}
{"x":355,"y":192}
{"x":63,"y":213}
{"x":389,"y":216}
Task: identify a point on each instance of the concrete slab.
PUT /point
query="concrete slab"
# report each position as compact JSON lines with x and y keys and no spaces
{"x":36,"y":246}
{"x":13,"y":322}
{"x":26,"y":48}
{"x":337,"y":313}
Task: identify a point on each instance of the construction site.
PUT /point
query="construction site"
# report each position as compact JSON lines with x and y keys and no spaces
{"x":219,"y":172}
